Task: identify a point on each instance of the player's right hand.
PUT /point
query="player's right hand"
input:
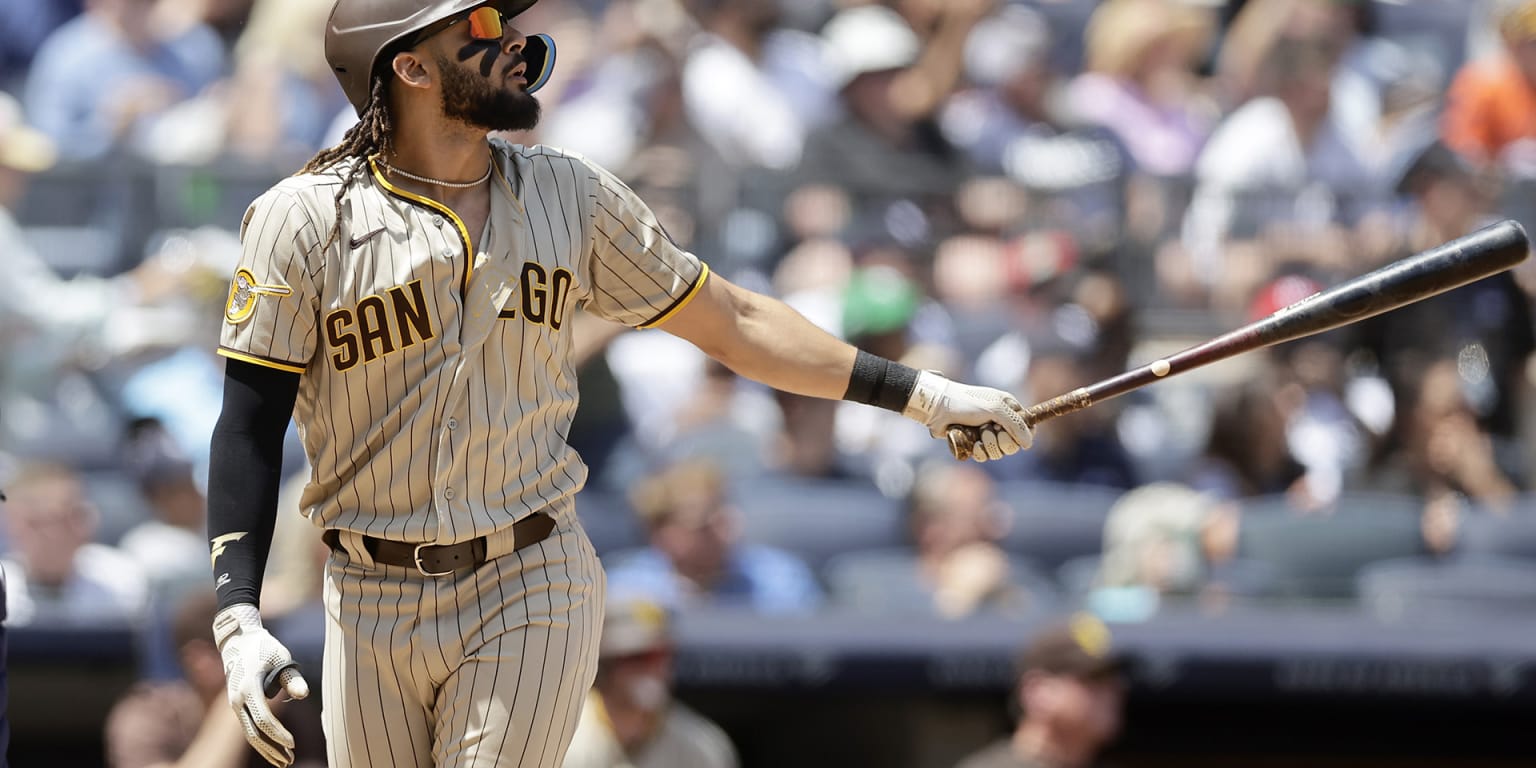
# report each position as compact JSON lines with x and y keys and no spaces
{"x":995,"y":418}
{"x":257,"y":667}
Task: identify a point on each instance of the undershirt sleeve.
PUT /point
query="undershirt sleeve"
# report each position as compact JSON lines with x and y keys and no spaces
{"x":244,"y":476}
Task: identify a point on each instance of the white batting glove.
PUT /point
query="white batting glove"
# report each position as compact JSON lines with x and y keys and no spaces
{"x":256,"y":668}
{"x":938,"y":403}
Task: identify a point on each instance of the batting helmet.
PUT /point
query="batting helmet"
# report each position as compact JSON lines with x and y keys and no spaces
{"x":361,"y":32}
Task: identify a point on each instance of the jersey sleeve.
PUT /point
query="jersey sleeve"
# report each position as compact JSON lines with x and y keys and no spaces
{"x":270,"y":315}
{"x":639,"y":276}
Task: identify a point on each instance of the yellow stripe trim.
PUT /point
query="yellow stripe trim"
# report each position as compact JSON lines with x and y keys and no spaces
{"x":261,"y":361}
{"x":683,"y":302}
{"x":469,"y":250}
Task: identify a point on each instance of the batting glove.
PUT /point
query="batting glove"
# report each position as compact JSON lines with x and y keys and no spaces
{"x":938,"y":404}
{"x":257,"y":667}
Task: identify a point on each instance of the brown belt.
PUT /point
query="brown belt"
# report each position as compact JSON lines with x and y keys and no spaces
{"x":444,"y":559}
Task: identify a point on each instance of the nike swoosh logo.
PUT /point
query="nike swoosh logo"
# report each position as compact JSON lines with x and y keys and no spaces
{"x":357,"y":242}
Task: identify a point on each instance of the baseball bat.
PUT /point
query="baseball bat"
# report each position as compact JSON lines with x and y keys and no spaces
{"x":1464,"y":260}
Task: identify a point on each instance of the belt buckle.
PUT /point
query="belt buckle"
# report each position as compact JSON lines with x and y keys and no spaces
{"x":416,"y":555}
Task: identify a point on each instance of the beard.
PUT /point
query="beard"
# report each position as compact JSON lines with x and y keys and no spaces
{"x":473,"y":100}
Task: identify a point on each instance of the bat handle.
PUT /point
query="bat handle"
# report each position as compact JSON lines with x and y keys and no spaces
{"x":962,"y":440}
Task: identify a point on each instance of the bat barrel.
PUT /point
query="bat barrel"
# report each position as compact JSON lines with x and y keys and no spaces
{"x":1464,"y":260}
{"x":1461,"y":261}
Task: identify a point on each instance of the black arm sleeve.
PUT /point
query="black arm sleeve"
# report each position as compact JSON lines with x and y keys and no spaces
{"x":244,"y":474}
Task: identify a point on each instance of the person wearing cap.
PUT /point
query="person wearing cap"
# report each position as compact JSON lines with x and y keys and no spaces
{"x":891,"y":84}
{"x":629,"y":718}
{"x":694,"y":558}
{"x":885,"y":312}
{"x":1490,"y":108}
{"x":1141,"y":84}
{"x":1070,"y":692}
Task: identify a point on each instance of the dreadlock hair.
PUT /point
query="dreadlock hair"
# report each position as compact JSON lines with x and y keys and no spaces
{"x":371,"y":135}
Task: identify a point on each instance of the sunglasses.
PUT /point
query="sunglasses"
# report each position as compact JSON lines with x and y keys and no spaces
{"x":485,"y":23}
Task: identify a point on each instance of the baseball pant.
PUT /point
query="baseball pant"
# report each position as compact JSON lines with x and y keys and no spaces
{"x":482,"y":669}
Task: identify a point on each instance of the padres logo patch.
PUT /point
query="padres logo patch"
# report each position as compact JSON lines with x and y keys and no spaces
{"x":243,"y":291}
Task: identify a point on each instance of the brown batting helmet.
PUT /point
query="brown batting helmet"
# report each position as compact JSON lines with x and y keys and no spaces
{"x":361,"y":31}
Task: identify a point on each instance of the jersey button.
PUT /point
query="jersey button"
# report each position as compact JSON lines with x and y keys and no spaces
{"x":448,"y":493}
{"x":437,"y":221}
{"x":453,"y":423}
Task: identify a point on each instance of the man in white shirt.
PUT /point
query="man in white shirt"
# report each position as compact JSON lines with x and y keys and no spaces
{"x":54,"y":573}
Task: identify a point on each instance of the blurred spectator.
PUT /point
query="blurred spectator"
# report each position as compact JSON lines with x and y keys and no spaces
{"x":281,"y":96}
{"x":1437,"y":450}
{"x":55,"y":574}
{"x":1082,"y":447}
{"x":1247,"y":453}
{"x":1486,"y":326}
{"x":883,"y":313}
{"x":956,"y":520}
{"x":1164,"y":541}
{"x":1490,"y":110}
{"x":752,"y":89}
{"x":48,"y":324}
{"x":24,"y":25}
{"x":1141,"y":82}
{"x":694,"y":558}
{"x":1283,"y":177}
{"x":622,"y":93}
{"x":101,"y":79}
{"x":629,"y":719}
{"x":1070,"y":692}
{"x":187,"y":723}
{"x":171,"y":549}
{"x":1006,"y":62}
{"x":887,"y":147}
{"x":1325,"y":427}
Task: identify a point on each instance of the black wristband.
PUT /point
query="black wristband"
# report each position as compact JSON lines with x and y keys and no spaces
{"x":880,"y":382}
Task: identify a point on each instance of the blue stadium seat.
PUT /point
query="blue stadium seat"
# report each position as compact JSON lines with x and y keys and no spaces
{"x":817,"y":519}
{"x":1319,"y":556}
{"x":885,"y":581}
{"x":1418,"y":587}
{"x":1483,"y":533}
{"x":1052,"y":523}
{"x":1349,"y":503}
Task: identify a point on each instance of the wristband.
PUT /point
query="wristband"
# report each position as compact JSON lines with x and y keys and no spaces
{"x":880,"y":382}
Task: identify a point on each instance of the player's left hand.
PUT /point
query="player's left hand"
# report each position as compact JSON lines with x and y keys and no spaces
{"x":996,"y":416}
{"x":257,"y":667}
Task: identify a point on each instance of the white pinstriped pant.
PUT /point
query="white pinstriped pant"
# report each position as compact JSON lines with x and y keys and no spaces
{"x":481,"y":670}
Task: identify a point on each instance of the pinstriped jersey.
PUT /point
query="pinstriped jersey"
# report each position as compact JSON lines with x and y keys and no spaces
{"x":437,"y":385}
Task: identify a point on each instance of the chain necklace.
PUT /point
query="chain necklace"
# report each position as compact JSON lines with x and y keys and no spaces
{"x":440,"y":182}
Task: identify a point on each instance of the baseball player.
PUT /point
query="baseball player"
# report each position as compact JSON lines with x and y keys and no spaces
{"x":407,"y":299}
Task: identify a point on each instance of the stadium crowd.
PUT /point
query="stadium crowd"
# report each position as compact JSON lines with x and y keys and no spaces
{"x":1030,"y":195}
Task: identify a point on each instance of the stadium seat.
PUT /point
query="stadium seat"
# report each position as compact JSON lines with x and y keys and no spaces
{"x":1052,"y":523}
{"x":1352,"y":503}
{"x":1485,"y":534}
{"x":1420,"y":587}
{"x":817,"y":519}
{"x":1319,"y":556}
{"x":885,"y":581}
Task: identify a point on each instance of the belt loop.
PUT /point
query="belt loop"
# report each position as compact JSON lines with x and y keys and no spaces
{"x":352,"y":546}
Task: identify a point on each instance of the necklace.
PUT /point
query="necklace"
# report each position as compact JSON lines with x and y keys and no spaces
{"x":440,"y":182}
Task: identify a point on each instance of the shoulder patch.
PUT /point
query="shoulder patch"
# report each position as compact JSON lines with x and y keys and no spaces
{"x":243,"y":290}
